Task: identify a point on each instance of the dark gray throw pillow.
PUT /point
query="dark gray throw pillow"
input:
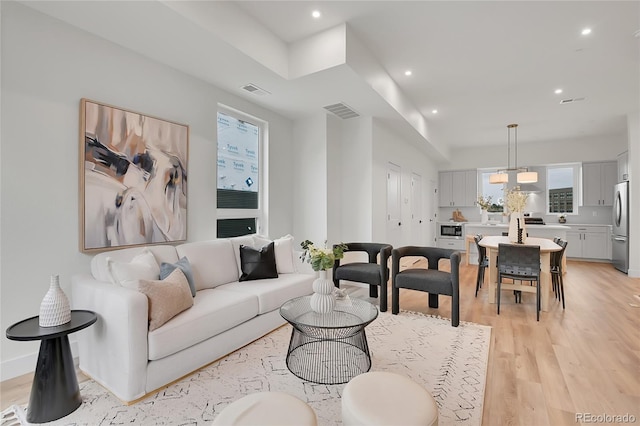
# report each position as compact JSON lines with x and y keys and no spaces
{"x":185,"y":267}
{"x":258,"y":264}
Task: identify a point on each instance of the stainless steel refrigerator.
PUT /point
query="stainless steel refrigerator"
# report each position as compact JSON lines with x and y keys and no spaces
{"x":620,"y":234}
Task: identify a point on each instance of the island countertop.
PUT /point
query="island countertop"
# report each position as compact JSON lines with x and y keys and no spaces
{"x":506,"y":226}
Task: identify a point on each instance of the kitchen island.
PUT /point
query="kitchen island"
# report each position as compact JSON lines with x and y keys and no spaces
{"x":497,"y":228}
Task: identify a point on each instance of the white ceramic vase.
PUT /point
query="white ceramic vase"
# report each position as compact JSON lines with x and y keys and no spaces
{"x":54,"y":309}
{"x":513,"y":227}
{"x":323,"y":300}
{"x":485,"y":216}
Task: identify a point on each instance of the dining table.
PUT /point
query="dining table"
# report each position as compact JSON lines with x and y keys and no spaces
{"x":547,"y":246}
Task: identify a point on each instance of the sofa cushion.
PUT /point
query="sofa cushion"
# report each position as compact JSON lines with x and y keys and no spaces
{"x":213,"y":311}
{"x":211,"y":262}
{"x":236,"y":242}
{"x":258,"y":264}
{"x":167,"y":268}
{"x":127,"y":274}
{"x":273,"y":293}
{"x":284,"y":252}
{"x":99,"y":270}
{"x":167,"y":297}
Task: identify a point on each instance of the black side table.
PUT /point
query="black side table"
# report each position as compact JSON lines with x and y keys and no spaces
{"x":54,"y":392}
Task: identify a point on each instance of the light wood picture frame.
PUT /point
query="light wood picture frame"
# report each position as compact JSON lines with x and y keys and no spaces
{"x":133,"y":178}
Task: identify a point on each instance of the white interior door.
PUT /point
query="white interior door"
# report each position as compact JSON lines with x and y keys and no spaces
{"x":417,"y":225}
{"x":394,"y":222}
{"x":432,"y":209}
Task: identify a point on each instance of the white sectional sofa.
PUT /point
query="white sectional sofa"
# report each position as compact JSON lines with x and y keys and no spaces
{"x":120,"y":352}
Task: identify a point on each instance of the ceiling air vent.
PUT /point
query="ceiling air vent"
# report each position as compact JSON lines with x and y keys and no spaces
{"x":571,"y":100}
{"x":342,"y":110}
{"x":252,"y":88}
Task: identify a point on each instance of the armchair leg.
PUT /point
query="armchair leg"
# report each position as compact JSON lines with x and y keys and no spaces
{"x":395,"y":301}
{"x":373,"y":290}
{"x":383,"y":298}
{"x":433,"y":300}
{"x":455,"y":311}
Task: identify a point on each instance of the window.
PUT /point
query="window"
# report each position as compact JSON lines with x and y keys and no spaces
{"x":240,"y":182}
{"x":496,"y":192}
{"x":562,"y":188}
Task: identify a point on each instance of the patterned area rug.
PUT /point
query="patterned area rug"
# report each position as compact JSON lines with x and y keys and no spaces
{"x":450,"y":362}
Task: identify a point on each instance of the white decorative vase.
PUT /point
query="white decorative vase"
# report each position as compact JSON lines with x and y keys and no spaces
{"x":513,"y":227}
{"x":485,"y":217}
{"x":323,"y":300}
{"x":54,"y":309}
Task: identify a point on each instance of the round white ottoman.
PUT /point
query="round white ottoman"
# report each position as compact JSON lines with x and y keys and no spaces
{"x":380,"y":398}
{"x":267,"y":409}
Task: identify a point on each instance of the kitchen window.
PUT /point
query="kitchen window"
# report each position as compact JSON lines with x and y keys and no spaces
{"x":563,"y":188}
{"x":240,"y":183}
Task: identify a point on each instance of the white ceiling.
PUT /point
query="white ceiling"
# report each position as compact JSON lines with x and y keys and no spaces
{"x":482,"y":64}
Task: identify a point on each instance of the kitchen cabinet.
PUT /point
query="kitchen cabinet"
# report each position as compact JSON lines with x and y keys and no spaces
{"x":589,"y":242}
{"x":598,"y":180}
{"x":458,"y":188}
{"x":450,"y":243}
{"x":623,"y":167}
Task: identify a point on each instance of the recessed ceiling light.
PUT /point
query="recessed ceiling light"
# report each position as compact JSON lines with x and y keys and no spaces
{"x":434,"y":111}
{"x":586,"y":31}
{"x":408,"y":73}
{"x":558,"y":91}
{"x":316,"y":14}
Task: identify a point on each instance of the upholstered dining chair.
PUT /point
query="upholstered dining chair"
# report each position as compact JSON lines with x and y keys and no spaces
{"x":520,"y":263}
{"x":483,"y":262}
{"x":374,"y":272}
{"x":431,"y":280}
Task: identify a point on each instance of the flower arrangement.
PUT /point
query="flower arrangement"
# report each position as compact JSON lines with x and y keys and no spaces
{"x":516,"y":200}
{"x":321,"y":259}
{"x":484,"y":203}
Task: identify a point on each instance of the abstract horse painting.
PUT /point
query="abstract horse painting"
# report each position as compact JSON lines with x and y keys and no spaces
{"x":133,"y":178}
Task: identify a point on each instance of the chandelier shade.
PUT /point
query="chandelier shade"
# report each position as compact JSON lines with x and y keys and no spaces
{"x":524,"y":175}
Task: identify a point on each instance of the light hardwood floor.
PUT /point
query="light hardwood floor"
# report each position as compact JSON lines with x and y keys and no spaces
{"x":584,"y":359}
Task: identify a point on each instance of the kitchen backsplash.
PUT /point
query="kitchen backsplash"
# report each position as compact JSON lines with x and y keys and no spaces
{"x":586,"y":215}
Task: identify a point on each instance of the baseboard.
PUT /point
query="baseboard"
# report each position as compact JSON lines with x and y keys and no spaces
{"x":27,"y":363}
{"x":633,"y":273}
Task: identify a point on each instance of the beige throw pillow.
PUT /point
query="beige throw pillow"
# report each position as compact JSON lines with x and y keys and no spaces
{"x":167,"y":298}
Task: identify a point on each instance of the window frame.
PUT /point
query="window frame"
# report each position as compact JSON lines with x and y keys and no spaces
{"x":577,"y":187}
{"x":260,"y":213}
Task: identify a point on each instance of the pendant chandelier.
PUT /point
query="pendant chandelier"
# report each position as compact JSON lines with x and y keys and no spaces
{"x":524,"y":175}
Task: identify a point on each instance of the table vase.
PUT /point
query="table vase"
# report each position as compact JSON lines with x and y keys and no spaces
{"x":485,"y":217}
{"x":323,"y":300}
{"x":517,"y":222}
{"x":54,"y":308}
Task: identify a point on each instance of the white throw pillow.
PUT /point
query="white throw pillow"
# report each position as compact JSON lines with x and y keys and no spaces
{"x":142,"y":267}
{"x":283,"y":249}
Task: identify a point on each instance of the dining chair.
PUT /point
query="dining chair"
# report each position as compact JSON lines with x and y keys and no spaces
{"x":483,"y":262}
{"x":557,"y":271}
{"x":371,"y":272}
{"x":520,"y":263}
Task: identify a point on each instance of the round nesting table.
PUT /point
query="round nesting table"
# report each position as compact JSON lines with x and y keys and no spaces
{"x":328,"y":348}
{"x":54,"y":392}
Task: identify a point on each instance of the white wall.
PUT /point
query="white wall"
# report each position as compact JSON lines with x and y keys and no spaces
{"x":47,"y":67}
{"x":633,"y":128}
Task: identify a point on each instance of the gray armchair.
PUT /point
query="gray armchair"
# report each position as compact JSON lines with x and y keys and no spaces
{"x":373,"y":273}
{"x":431,"y":280}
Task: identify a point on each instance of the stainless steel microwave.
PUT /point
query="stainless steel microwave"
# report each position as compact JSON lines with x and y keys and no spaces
{"x":450,"y":230}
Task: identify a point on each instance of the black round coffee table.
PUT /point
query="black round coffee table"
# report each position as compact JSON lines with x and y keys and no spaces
{"x":328,"y":348}
{"x":54,"y":392}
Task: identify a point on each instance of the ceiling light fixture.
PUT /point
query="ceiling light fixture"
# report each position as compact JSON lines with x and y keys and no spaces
{"x":316,"y":14}
{"x":408,"y":73}
{"x":586,"y":31}
{"x":434,"y":111}
{"x":524,"y":175}
{"x":558,"y":91}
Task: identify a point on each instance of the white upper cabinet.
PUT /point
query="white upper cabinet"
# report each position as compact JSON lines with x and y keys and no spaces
{"x":598,"y":180}
{"x":458,"y":188}
{"x":623,"y":167}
